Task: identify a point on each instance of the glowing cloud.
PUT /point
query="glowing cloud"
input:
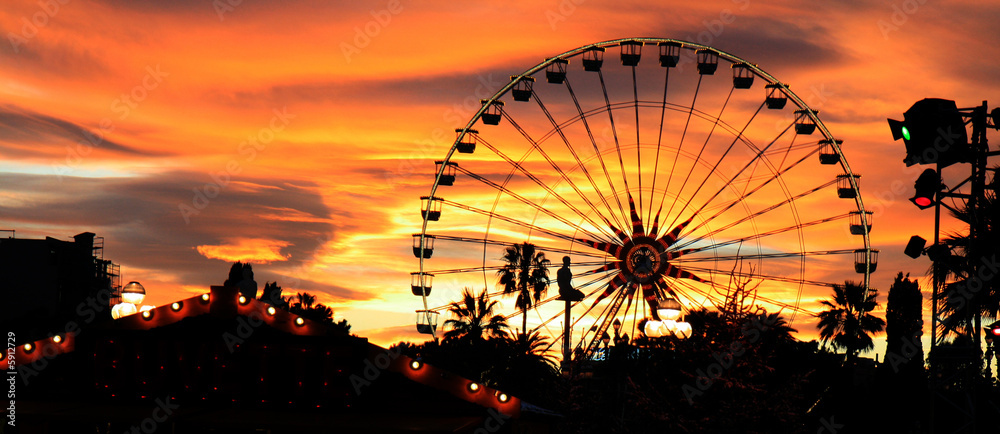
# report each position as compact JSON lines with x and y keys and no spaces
{"x":253,"y":250}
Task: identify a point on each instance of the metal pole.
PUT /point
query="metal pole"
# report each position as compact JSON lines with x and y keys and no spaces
{"x":935,"y":289}
{"x":567,"y":338}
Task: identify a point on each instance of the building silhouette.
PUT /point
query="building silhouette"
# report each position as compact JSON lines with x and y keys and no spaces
{"x":49,"y":284}
{"x":221,"y":362}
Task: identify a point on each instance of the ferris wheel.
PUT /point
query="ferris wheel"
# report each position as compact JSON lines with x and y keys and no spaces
{"x":659,"y":177}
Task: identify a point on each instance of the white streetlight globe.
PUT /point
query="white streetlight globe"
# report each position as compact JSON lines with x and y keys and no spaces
{"x":652,"y":329}
{"x":123,"y":309}
{"x":133,"y":293}
{"x":683,"y":330}
{"x":668,"y":314}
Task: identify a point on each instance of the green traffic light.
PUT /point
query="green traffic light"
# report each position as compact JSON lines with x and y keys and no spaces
{"x":906,"y":133}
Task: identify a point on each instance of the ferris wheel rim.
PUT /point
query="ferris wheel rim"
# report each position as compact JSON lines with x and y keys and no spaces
{"x":691,"y":46}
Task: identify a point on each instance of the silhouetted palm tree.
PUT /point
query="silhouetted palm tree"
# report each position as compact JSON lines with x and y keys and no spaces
{"x":525,"y":273}
{"x":537,"y":347}
{"x":774,"y":328}
{"x":272,"y":295}
{"x":968,"y":296}
{"x":475,"y":317}
{"x":306,"y":307}
{"x":848,"y":323}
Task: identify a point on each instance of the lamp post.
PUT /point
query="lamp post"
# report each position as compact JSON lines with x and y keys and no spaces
{"x":133,"y":294}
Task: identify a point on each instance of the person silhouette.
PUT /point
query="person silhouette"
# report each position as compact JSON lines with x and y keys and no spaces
{"x":565,"y":279}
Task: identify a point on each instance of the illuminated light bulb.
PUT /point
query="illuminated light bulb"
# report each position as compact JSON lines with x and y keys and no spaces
{"x":123,"y":309}
{"x":204,"y":297}
{"x":57,"y":339}
{"x":175,"y":306}
{"x":668,"y":327}
{"x":147,"y":314}
{"x":473,"y":387}
{"x":271,"y":310}
{"x":415,"y":365}
{"x":652,"y":328}
{"x":668,"y":314}
{"x":299,"y":321}
{"x":133,"y":293}
{"x":502,"y":397}
{"x":242,"y":300}
{"x":683,"y":330}
{"x":28,"y":348}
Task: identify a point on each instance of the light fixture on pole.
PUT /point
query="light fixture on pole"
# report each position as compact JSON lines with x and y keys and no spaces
{"x":133,"y":294}
{"x":669,"y":309}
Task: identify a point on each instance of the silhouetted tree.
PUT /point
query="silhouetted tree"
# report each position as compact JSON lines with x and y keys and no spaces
{"x":235,"y":274}
{"x":241,"y":276}
{"x":305,"y":306}
{"x":272,"y":295}
{"x":848,"y":323}
{"x":525,"y":272}
{"x":971,"y":292}
{"x":901,"y":376}
{"x":474,"y":317}
{"x":903,"y":326}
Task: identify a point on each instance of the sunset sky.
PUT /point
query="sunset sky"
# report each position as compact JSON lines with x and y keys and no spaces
{"x":191,"y":134}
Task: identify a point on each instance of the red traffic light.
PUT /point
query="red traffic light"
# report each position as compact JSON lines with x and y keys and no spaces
{"x":927,"y":186}
{"x":993,"y":331}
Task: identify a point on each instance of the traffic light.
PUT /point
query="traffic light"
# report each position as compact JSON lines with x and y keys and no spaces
{"x":927,"y":186}
{"x":933,"y":131}
{"x":993,"y":331}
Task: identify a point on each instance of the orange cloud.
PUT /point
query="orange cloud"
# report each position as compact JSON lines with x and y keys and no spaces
{"x":254,"y":250}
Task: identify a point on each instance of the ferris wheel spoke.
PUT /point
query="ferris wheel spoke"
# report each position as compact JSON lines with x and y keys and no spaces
{"x":715,"y":124}
{"x":758,"y":213}
{"x":520,"y":168}
{"x":757,"y":236}
{"x":541,"y":247}
{"x":680,"y":147}
{"x":776,"y":255}
{"x":495,"y":268}
{"x":559,"y":170}
{"x":510,"y":220}
{"x":604,"y":319}
{"x":753,"y":161}
{"x":595,"y":281}
{"x":638,"y":143}
{"x":715,"y":167}
{"x":679,"y":289}
{"x":579,"y":163}
{"x":614,"y":129}
{"x":545,"y":210}
{"x":659,"y":142}
{"x":759,"y":276}
{"x":772,"y":301}
{"x":593,"y":142}
{"x":575,"y":322}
